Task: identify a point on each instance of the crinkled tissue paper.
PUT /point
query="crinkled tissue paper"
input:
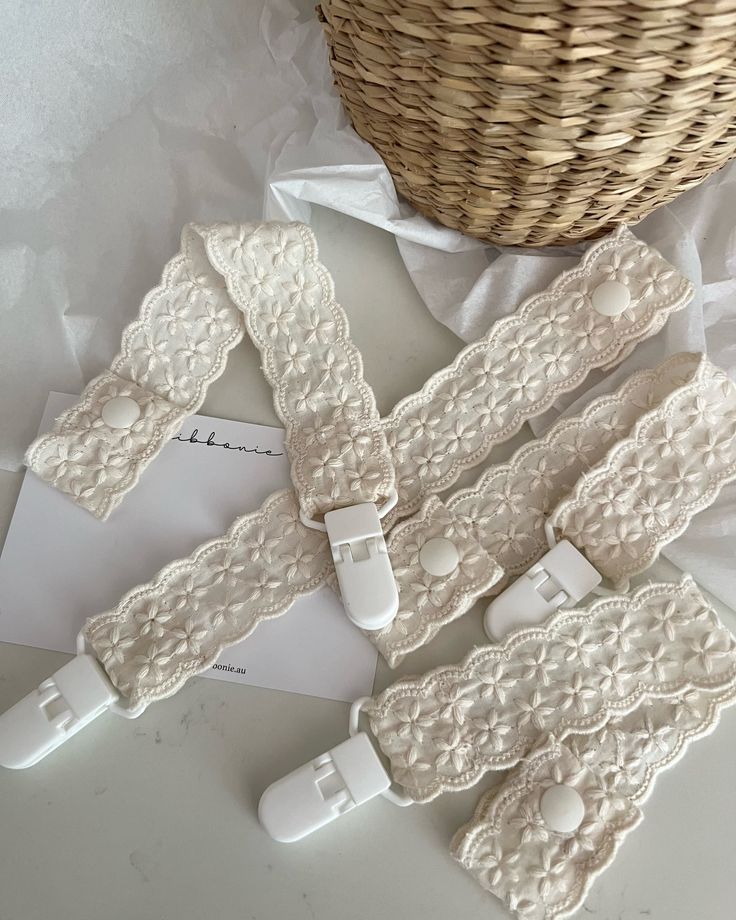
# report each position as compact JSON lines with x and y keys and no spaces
{"x":124,"y":121}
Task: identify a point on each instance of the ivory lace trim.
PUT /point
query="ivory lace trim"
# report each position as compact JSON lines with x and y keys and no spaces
{"x":541,"y":874}
{"x":336,"y":442}
{"x":445,"y":730}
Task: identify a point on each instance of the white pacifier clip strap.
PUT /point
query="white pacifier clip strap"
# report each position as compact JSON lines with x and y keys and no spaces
{"x":540,"y":839}
{"x":626,"y":684}
{"x":169,"y":355}
{"x":590,"y":317}
{"x":163,"y":632}
{"x":341,"y":466}
{"x":443,"y":731}
{"x":179,"y":344}
{"x":494,"y":530}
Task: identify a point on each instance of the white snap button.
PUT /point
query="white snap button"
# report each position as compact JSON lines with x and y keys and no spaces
{"x":610,"y":298}
{"x":121,"y":412}
{"x":562,"y":808}
{"x":439,"y":556}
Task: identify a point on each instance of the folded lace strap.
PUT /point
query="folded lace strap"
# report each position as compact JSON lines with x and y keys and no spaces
{"x":169,"y":355}
{"x":539,"y":839}
{"x":261,"y":588}
{"x":334,"y":436}
{"x":445,"y":730}
{"x":495,"y":530}
{"x":187,"y":325}
{"x":642,"y":494}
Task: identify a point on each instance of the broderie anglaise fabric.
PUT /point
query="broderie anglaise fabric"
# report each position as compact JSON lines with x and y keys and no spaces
{"x":542,"y":874}
{"x":192,"y":597}
{"x":443,"y":731}
{"x":188,"y":324}
{"x":524,"y":362}
{"x":334,"y":435}
{"x":264,"y":270}
{"x":503,"y":515}
{"x":168,"y":357}
{"x":496,"y":535}
{"x":175,"y":626}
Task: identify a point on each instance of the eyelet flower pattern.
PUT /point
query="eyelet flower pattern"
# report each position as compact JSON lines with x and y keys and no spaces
{"x":287,"y":297}
{"x":538,"y":873}
{"x":164,"y":632}
{"x":188,"y":324}
{"x":545,"y":687}
{"x":642,"y":494}
{"x":289,"y":248}
{"x":168,"y":357}
{"x":504,"y":514}
{"x":493,"y":524}
{"x":507,"y":508}
{"x":94,"y":463}
{"x":543,"y":875}
{"x":525,"y":361}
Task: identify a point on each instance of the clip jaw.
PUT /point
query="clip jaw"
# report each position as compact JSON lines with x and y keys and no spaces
{"x":323,"y":789}
{"x":61,"y":706}
{"x":364,"y":573}
{"x":561,"y":578}
{"x":328,"y":786}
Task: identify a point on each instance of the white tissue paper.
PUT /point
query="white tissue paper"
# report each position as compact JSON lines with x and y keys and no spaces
{"x":124,"y":121}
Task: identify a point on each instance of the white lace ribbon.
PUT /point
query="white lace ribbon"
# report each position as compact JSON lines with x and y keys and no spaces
{"x":168,"y":357}
{"x":271,"y":274}
{"x":175,"y":626}
{"x":334,"y":437}
{"x":542,"y":872}
{"x":620,"y":480}
{"x":444,"y":731}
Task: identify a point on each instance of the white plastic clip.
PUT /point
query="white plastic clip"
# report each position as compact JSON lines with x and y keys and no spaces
{"x":367,"y":583}
{"x":561,"y":578}
{"x":62,"y":705}
{"x":325,"y":788}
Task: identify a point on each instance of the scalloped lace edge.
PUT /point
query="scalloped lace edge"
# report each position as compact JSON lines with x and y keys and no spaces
{"x":379,"y":706}
{"x":491,"y":805}
{"x":369,"y":417}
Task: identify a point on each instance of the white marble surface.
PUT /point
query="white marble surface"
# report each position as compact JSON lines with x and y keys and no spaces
{"x":155,"y":819}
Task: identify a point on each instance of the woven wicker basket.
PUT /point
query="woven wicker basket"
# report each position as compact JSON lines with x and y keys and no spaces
{"x":539,"y":121}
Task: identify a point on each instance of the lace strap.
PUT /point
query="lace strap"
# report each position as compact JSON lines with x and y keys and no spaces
{"x":340,"y":452}
{"x":334,"y":436}
{"x":515,"y":845}
{"x":175,"y":626}
{"x":496,"y":529}
{"x":527,"y":360}
{"x":644,"y":491}
{"x":443,"y":731}
{"x":497,"y":525}
{"x":168,"y":357}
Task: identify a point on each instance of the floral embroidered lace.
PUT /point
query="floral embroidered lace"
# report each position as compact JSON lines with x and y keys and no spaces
{"x":541,"y":873}
{"x":584,"y":667}
{"x":630,"y":493}
{"x":163,"y":632}
{"x":270,"y":274}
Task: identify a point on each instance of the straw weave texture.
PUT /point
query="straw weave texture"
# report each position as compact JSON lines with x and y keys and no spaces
{"x":536,"y":122}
